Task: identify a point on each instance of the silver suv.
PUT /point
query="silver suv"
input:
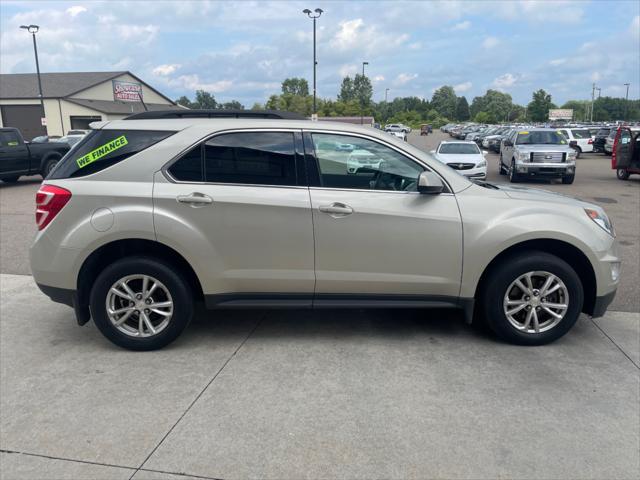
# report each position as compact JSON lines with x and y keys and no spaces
{"x":149,"y":215}
{"x":537,"y":152}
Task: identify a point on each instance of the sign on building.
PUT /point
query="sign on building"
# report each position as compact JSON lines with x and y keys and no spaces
{"x":561,"y":114}
{"x":127,"y":91}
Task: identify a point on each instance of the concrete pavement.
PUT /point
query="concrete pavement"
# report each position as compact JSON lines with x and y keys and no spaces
{"x":303,"y":394}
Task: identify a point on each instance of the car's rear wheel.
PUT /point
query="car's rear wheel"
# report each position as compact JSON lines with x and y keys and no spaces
{"x":141,"y":303}
{"x":622,"y":174}
{"x":532,"y":298}
{"x":13,"y":179}
{"x":48,"y":166}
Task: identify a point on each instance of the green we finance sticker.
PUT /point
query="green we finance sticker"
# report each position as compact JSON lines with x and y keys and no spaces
{"x":102,"y":151}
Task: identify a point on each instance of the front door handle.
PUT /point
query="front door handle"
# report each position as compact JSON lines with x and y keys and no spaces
{"x":336,"y":209}
{"x":195,"y":199}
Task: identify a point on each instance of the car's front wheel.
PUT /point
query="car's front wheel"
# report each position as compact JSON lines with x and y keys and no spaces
{"x":141,"y":303}
{"x":501,"y":170}
{"x":513,"y":175}
{"x":622,"y":174}
{"x":532,"y":298}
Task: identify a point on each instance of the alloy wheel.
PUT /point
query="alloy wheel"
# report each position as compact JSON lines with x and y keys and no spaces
{"x":536,"y":302}
{"x":139,"y":306}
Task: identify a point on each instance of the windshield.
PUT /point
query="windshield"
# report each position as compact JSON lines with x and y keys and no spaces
{"x":540,"y":137}
{"x":459,"y":148}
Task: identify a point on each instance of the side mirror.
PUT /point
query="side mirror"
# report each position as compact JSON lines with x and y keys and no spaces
{"x":484,"y":153}
{"x":430,"y":183}
{"x":508,"y":143}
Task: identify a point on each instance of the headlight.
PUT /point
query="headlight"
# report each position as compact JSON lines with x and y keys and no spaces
{"x":572,"y":155}
{"x":523,"y":156}
{"x":601,"y":219}
{"x":482,"y":164}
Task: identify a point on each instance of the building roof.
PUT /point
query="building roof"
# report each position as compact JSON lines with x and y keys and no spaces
{"x":56,"y":85}
{"x":115,"y":107}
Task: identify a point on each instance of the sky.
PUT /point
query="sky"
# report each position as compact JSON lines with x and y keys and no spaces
{"x":243,"y":50}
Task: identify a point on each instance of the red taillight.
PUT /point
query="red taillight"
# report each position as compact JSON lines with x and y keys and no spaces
{"x":590,"y":141}
{"x":49,"y":202}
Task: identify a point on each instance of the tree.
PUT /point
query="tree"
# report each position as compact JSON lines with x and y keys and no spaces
{"x":204,"y":100}
{"x":462,"y":110}
{"x":295,"y":86}
{"x":363,"y":90}
{"x":185,"y":102}
{"x":538,"y":108}
{"x":257,"y":106}
{"x":444,"y":101}
{"x":482,"y":117}
{"x":497,"y":105}
{"x":346,"y":90}
{"x":232,"y":105}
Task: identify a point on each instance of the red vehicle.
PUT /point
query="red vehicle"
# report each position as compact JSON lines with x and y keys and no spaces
{"x":625,"y":159}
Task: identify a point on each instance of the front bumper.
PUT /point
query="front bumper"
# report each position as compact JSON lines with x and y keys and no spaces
{"x":602,"y":303}
{"x":555,"y":170}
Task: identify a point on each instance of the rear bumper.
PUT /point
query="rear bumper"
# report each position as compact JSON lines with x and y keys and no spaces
{"x":602,"y":303}
{"x":67,"y":297}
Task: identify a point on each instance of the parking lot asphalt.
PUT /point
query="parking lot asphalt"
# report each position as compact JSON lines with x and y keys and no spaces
{"x":318,"y":394}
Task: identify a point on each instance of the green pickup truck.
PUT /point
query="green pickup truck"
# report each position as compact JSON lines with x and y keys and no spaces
{"x":19,"y":157}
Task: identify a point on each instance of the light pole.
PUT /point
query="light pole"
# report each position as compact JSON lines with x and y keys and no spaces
{"x":310,"y":14}
{"x":33,"y":29}
{"x":386,"y":91}
{"x":362,"y":98}
{"x":626,"y":101}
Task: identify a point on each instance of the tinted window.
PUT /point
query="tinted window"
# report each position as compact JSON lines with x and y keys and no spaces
{"x":103,"y":148}
{"x":581,"y":133}
{"x":358,"y":163}
{"x":603,"y":132}
{"x":459,"y":148}
{"x":541,"y":137}
{"x":9,"y":139}
{"x":189,"y":167}
{"x":257,"y":158}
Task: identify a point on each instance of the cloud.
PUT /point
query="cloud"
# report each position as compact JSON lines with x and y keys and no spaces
{"x":404,"y":78}
{"x":76,"y":10}
{"x":193,"y":83}
{"x":461,"y":26}
{"x":415,"y":46}
{"x":557,"y":61}
{"x":505,"y":81}
{"x":164,"y":70}
{"x":378,"y":78}
{"x":348,"y":70}
{"x":463,"y":87}
{"x":490,"y":42}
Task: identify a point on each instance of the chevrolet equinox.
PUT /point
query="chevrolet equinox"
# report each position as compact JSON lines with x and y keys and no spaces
{"x":150,"y":214}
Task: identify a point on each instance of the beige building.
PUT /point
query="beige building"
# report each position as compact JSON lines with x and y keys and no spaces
{"x":73,"y":100}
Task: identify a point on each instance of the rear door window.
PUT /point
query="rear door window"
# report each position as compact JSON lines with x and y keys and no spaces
{"x":103,"y":148}
{"x":252,"y":158}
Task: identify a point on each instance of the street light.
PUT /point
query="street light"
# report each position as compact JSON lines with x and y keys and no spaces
{"x":386,"y":91}
{"x":33,"y":29}
{"x":362,"y":99}
{"x":626,"y":101}
{"x":310,"y":14}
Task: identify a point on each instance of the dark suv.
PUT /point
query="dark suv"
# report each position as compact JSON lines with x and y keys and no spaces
{"x":600,"y":139}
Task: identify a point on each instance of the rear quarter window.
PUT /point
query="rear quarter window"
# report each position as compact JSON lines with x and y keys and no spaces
{"x":103,"y":148}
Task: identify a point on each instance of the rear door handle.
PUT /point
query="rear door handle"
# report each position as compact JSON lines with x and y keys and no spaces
{"x":336,"y":209}
{"x":195,"y":199}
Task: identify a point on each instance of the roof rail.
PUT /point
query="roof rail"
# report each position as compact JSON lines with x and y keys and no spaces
{"x":236,"y":113}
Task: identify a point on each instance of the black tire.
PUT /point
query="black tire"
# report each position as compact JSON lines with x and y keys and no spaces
{"x":509,"y":269}
{"x":48,"y":166}
{"x":513,"y":175}
{"x":10,"y":179}
{"x":578,"y":152}
{"x":175,"y":283}
{"x":622,"y":174}
{"x":607,"y":153}
{"x":568,"y":179}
